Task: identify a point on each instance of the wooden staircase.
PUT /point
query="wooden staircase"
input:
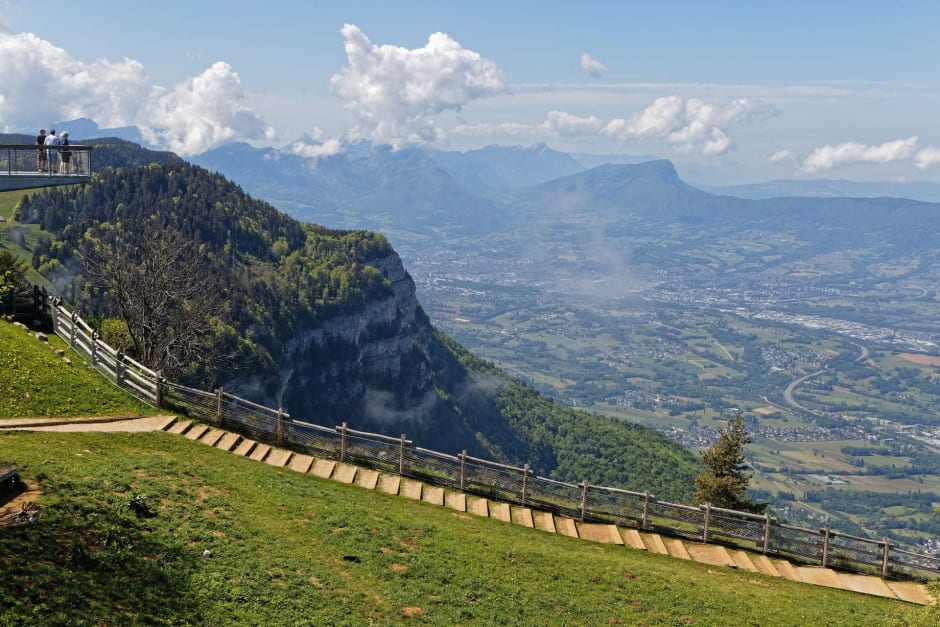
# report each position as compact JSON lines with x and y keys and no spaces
{"x":712,"y":554}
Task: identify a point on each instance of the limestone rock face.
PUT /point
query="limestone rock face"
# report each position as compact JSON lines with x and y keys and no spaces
{"x":369,"y":367}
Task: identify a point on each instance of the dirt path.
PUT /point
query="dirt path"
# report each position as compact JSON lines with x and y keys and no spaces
{"x":12,"y":502}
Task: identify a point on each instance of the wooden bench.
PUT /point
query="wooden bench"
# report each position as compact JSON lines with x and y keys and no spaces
{"x":8,"y":478}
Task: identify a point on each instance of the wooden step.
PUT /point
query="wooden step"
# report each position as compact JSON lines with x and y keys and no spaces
{"x":212,"y":437}
{"x":345,"y":473}
{"x":867,"y":584}
{"x":632,"y":539}
{"x":456,"y":500}
{"x":654,"y":543}
{"x":910,"y":592}
{"x":390,"y":484}
{"x":323,"y":468}
{"x":245,"y":448}
{"x":180,"y":426}
{"x":278,"y":457}
{"x":228,"y":441}
{"x":500,"y":511}
{"x":786,"y":570}
{"x":676,"y":548}
{"x":566,"y":527}
{"x":168,"y":422}
{"x":522,"y":516}
{"x":743,"y":561}
{"x":367,"y":478}
{"x":599,"y":532}
{"x":477,"y":505}
{"x":197,"y":432}
{"x":260,"y":452}
{"x":544,"y":521}
{"x":819,"y":576}
{"x":433,"y":495}
{"x":411,"y":489}
{"x":713,"y":554}
{"x":301,"y":463}
{"x":766,"y":566}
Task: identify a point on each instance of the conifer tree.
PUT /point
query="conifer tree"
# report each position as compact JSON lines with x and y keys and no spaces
{"x":724,"y":482}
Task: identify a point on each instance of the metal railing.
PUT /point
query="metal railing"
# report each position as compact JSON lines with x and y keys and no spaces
{"x":30,"y":160}
{"x":517,"y":486}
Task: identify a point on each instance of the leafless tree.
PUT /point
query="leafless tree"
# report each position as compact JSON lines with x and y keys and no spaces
{"x":164,"y":295}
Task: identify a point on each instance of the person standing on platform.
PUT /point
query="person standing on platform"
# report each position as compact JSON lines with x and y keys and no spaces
{"x":41,"y":151}
{"x":64,"y":153}
{"x":52,"y":152}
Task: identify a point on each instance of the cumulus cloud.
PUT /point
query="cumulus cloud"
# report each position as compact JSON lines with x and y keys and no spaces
{"x":835,"y":155}
{"x":395,"y":93}
{"x":592,"y":66}
{"x":561,"y":123}
{"x":202,"y":112}
{"x":783,"y":156}
{"x":41,"y":83}
{"x":316,"y":150}
{"x":690,"y":125}
{"x":927,"y":158}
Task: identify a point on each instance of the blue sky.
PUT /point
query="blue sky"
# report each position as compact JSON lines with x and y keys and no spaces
{"x":741,"y":91}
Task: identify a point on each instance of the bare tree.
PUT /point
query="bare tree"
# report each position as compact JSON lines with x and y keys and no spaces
{"x":164,"y":295}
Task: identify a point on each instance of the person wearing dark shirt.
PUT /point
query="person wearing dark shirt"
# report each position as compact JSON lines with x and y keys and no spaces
{"x":41,"y":151}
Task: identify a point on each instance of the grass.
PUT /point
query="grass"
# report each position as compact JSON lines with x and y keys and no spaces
{"x":34,"y":382}
{"x":125,"y":519}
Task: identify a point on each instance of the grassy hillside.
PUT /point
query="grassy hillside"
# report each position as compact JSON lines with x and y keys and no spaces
{"x":125,"y":519}
{"x":35,"y":382}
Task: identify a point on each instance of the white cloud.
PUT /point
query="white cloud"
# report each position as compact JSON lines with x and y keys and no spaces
{"x":689,"y":125}
{"x":783,"y":156}
{"x":848,"y":153}
{"x":927,"y":158}
{"x":41,"y":83}
{"x":591,"y":65}
{"x":561,"y":123}
{"x":201,"y":113}
{"x":313,"y":150}
{"x":503,"y":128}
{"x":395,"y":93}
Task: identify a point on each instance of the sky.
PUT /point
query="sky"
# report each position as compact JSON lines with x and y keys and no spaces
{"x":735,"y":91}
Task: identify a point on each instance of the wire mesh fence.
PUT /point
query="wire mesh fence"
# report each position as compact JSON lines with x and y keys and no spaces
{"x":518,"y":486}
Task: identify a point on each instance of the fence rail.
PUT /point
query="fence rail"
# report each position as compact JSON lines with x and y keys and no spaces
{"x":29,"y":159}
{"x":518,"y":486}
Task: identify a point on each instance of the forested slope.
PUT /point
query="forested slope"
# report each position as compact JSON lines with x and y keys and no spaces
{"x":325,"y":323}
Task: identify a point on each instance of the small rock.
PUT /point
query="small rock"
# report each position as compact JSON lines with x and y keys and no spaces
{"x":68,"y":362}
{"x":21,"y":325}
{"x":59,"y":352}
{"x":207,"y":553}
{"x":42,"y":337}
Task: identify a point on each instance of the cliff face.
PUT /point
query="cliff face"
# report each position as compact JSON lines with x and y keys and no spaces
{"x":369,"y":367}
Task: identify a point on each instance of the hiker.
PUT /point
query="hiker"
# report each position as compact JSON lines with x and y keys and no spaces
{"x":41,"y":151}
{"x":64,"y":153}
{"x":52,"y":154}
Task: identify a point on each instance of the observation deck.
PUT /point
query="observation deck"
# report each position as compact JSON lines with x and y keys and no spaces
{"x":20,"y":166}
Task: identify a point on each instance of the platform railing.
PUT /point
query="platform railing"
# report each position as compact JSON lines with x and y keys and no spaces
{"x":25,"y":160}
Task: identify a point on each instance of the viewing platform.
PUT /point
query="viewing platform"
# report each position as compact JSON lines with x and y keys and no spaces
{"x":20,"y":166}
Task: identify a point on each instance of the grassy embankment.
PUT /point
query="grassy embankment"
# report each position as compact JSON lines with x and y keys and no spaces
{"x":125,"y":519}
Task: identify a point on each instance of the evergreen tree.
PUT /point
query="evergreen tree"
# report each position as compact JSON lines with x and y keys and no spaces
{"x":724,"y":482}
{"x":12,"y":273}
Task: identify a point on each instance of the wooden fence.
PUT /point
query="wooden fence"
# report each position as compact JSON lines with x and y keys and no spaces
{"x":28,"y":307}
{"x":518,"y":486}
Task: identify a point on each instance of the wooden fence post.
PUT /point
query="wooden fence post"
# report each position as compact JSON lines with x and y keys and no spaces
{"x":463,"y":468}
{"x":72,"y":331}
{"x":708,"y":511}
{"x":280,"y":426}
{"x":401,"y":457}
{"x":825,"y":549}
{"x":118,"y":365}
{"x":94,"y":348}
{"x":584,"y":489}
{"x":884,"y":558}
{"x":525,"y":482}
{"x":646,"y":509}
{"x":159,"y":387}
{"x":218,"y":406}
{"x":342,"y":443}
{"x":767,"y":521}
